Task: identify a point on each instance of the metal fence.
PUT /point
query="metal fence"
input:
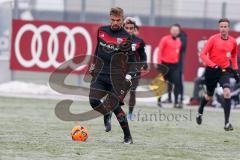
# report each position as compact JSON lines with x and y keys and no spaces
{"x":191,"y":13}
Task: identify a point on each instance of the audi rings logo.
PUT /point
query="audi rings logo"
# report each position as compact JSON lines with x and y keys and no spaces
{"x":36,"y":45}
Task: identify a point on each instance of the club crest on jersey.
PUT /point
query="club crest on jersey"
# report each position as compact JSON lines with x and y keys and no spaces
{"x":228,"y":54}
{"x":134,"y":47}
{"x":119,"y":40}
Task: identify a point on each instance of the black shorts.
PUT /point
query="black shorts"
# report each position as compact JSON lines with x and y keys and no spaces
{"x":172,"y":72}
{"x":102,"y":82}
{"x":116,"y":85}
{"x":214,"y":76}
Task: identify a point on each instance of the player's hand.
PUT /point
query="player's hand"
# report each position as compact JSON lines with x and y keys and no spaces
{"x":236,"y":76}
{"x":128,"y":77}
{"x":91,"y":69}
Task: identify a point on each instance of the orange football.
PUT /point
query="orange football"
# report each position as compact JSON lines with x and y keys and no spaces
{"x":79,"y":133}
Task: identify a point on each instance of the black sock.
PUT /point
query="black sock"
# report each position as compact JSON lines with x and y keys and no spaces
{"x":159,"y":99}
{"x":169,"y":96}
{"x":107,"y":117}
{"x":176,"y":94}
{"x":176,"y":98}
{"x":131,"y":109}
{"x":169,"y":92}
{"x":202,"y":105}
{"x":227,"y":109}
{"x":121,"y":117}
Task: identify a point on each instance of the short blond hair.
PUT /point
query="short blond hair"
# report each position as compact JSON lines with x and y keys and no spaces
{"x":116,"y":11}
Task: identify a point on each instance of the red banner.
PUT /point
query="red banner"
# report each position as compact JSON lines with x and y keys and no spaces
{"x":42,"y":46}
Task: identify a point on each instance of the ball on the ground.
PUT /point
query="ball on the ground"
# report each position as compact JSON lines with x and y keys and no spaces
{"x":79,"y":133}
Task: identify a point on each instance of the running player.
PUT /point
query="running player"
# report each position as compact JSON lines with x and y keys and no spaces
{"x":138,"y":48}
{"x":109,"y":71}
{"x":219,"y":50}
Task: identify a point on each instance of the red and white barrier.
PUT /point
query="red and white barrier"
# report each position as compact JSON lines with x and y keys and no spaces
{"x":41,"y":46}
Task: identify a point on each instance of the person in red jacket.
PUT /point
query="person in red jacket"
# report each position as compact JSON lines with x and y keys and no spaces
{"x":169,"y":55}
{"x":219,"y":50}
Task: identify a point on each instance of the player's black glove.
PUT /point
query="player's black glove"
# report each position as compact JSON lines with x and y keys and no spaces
{"x":236,"y":75}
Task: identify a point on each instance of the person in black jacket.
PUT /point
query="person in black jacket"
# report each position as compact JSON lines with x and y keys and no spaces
{"x":183,"y":38}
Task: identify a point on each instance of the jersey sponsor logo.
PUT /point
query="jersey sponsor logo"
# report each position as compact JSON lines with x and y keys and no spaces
{"x":109,"y":48}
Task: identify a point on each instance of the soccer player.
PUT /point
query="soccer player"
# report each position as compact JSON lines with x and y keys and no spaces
{"x":138,"y":48}
{"x":219,"y":50}
{"x":169,"y":55}
{"x":109,"y":71}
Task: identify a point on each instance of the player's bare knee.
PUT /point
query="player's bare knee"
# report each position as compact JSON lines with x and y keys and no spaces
{"x":226,"y":93}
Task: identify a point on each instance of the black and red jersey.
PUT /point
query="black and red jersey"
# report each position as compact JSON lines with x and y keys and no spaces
{"x":108,"y":45}
{"x":138,"y":47}
{"x":137,"y":59}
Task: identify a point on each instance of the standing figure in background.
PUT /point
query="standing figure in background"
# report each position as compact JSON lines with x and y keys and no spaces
{"x":169,"y":56}
{"x":183,"y":37}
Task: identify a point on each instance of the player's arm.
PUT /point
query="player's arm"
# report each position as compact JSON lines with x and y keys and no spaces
{"x":205,"y":51}
{"x":92,"y":67}
{"x":96,"y":49}
{"x":183,"y":38}
{"x":160,"y":49}
{"x":234,"y":57}
{"x":143,"y":55}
